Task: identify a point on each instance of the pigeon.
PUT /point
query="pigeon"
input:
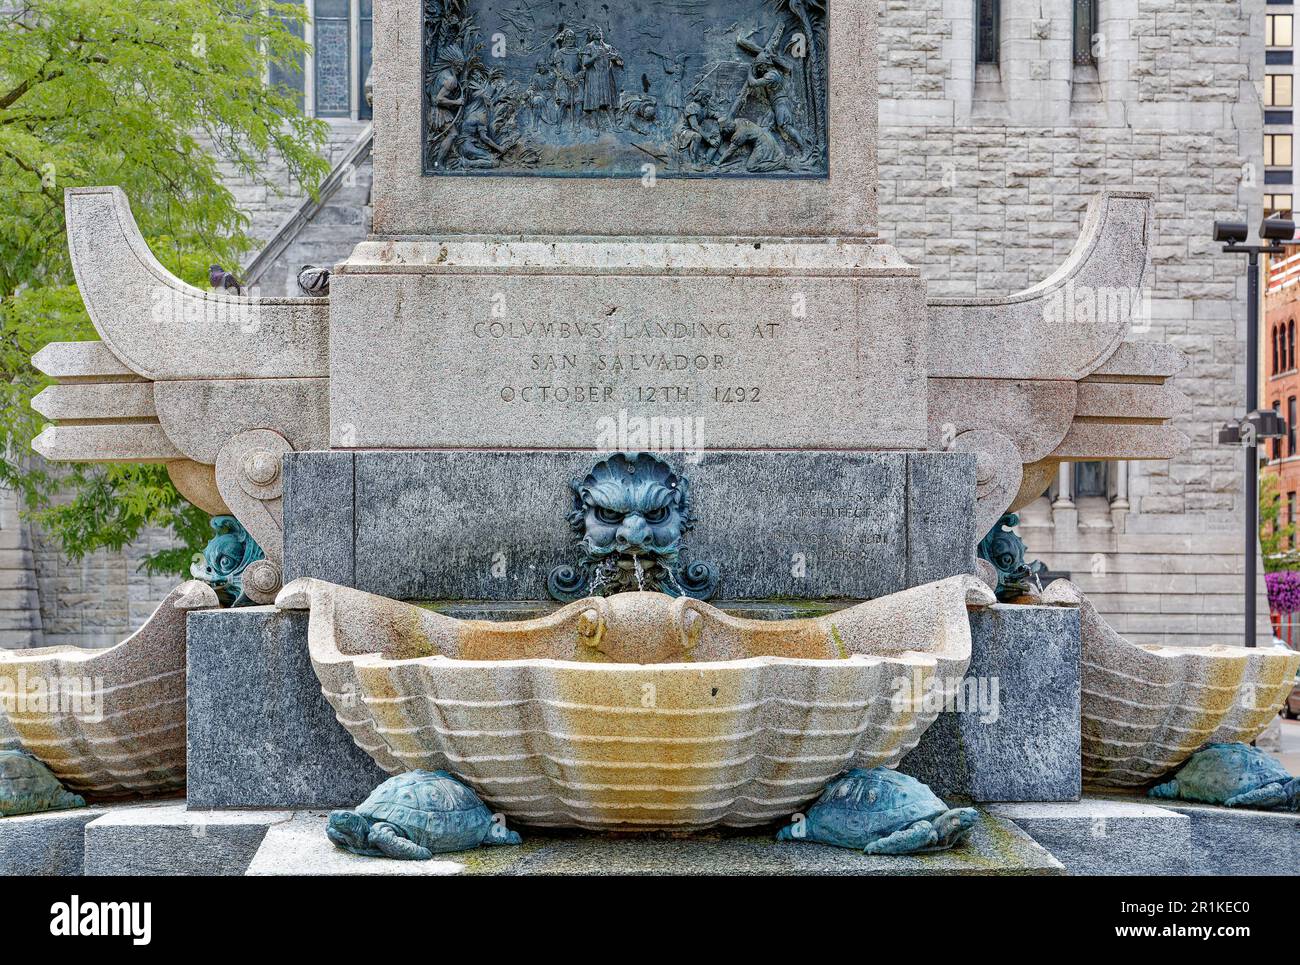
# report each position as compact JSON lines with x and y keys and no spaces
{"x":224,"y":281}
{"x":314,"y":280}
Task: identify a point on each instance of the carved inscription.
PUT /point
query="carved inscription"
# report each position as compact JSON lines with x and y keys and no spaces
{"x":614,"y":363}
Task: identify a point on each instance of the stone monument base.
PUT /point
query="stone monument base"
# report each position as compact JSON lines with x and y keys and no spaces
{"x":493,"y":525}
{"x":261,"y":735}
{"x":1119,"y":834}
{"x":1015,"y":734}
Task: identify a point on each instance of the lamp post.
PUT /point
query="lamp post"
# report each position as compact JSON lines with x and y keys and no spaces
{"x":1256,"y":425}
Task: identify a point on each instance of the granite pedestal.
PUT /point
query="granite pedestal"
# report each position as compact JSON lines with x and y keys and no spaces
{"x":46,"y":844}
{"x":475,"y":525}
{"x":167,"y":838}
{"x":1015,"y":734}
{"x":259,"y":732}
{"x":268,"y":739}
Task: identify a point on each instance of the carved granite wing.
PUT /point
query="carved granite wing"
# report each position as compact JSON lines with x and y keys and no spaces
{"x":1046,"y":375}
{"x":215,"y":386}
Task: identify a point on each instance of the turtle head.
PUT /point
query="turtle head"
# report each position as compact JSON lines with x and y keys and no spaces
{"x":349,"y":830}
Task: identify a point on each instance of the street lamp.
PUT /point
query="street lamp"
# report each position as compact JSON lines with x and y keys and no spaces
{"x":1256,"y":425}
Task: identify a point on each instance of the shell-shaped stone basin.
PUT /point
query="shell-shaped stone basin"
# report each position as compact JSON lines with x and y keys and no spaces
{"x":108,"y":722}
{"x":638,"y":711}
{"x":1146,"y":708}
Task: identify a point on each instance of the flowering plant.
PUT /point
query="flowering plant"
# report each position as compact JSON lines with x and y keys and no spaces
{"x":1283,"y":591}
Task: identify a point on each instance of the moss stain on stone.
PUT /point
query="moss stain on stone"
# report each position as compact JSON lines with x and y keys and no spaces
{"x":839,"y":643}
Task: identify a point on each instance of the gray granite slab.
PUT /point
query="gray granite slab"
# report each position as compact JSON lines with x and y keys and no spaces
{"x":1131,"y":834}
{"x":995,"y":847}
{"x":322,"y":536}
{"x":937,"y":503}
{"x":1016,"y":734}
{"x":167,"y":839}
{"x":259,"y":732}
{"x":474,"y":525}
{"x":1108,"y":837}
{"x":45,"y":844}
{"x":1236,"y":841}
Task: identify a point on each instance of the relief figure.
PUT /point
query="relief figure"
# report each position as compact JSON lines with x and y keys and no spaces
{"x":578,"y":88}
{"x":566,"y":68}
{"x":599,"y":62}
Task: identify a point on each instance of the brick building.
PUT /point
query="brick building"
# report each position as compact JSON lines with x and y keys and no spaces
{"x":1280,"y":385}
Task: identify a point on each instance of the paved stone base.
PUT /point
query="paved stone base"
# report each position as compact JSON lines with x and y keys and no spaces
{"x":45,"y":844}
{"x":995,"y":847}
{"x":1023,"y":746}
{"x":1108,"y":837}
{"x":167,"y":839}
{"x":259,"y":732}
{"x":1231,"y":842}
{"x":1132,"y":835}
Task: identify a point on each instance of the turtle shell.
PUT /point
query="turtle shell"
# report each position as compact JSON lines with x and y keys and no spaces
{"x":27,"y":785}
{"x":863,"y":806}
{"x":432,"y":808}
{"x":1220,"y":771}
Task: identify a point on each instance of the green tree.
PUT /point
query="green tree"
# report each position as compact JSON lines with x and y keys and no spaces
{"x":1276,"y":540}
{"x":139,"y":94}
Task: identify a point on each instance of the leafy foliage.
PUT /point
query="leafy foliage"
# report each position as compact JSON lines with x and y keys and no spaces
{"x":1276,"y":540}
{"x":142,"y":94}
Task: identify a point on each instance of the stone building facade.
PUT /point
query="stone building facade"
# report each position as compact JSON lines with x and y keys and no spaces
{"x":993,"y":137}
{"x":998,"y":120}
{"x":1280,"y":380}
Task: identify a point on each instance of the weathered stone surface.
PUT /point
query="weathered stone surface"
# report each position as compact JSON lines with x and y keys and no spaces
{"x":52,"y":843}
{"x":1024,"y":746}
{"x":162,"y":328}
{"x":405,"y":202}
{"x":984,"y":337}
{"x":491,"y":525}
{"x":190,"y":409}
{"x":1146,"y":710}
{"x":1231,"y":841}
{"x":260,"y":734}
{"x":514,"y":344}
{"x":319,"y":521}
{"x":1099,"y":836}
{"x":85,"y":360}
{"x":109,"y":722}
{"x":1124,"y":834}
{"x":168,"y":839}
{"x":995,"y":847}
{"x":937,"y":487}
{"x":638,"y":711}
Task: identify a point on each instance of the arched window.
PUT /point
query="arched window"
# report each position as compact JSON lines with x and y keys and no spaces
{"x":1290,"y":345}
{"x":1275,"y":369}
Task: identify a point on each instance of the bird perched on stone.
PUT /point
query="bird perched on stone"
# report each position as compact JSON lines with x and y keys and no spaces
{"x":314,"y":280}
{"x":223,"y":281}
